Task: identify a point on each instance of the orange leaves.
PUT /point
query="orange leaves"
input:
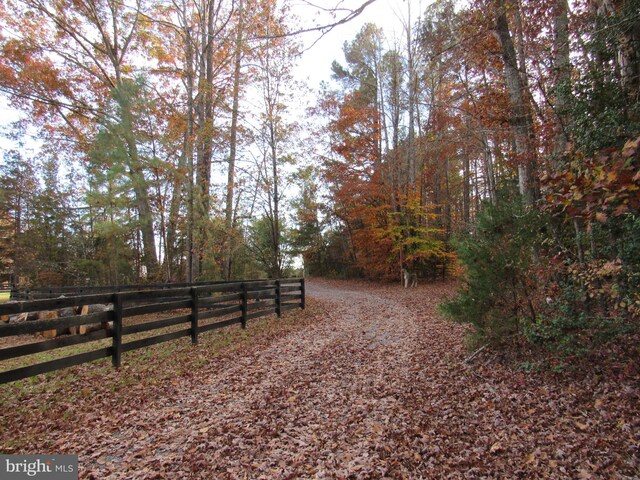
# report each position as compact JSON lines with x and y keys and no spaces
{"x":601,"y":217}
{"x":24,"y":68}
{"x":599,"y":187}
{"x":631,"y":149}
{"x":610,"y":268}
{"x":7,"y":75}
{"x":15,"y":51}
{"x":358,"y":129}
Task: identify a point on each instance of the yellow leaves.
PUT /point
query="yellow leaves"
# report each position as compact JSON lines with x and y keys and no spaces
{"x":577,"y":194}
{"x":598,"y":187}
{"x":631,"y":148}
{"x":610,"y":268}
{"x":584,"y":474}
{"x":161,"y":54}
{"x":620,"y":210}
{"x":497,"y":447}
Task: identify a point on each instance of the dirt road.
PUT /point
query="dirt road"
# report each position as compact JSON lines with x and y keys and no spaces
{"x":328,"y":401}
{"x":375,"y":387}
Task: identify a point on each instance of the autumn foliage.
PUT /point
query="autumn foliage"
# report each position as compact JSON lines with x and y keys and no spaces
{"x":510,"y":132}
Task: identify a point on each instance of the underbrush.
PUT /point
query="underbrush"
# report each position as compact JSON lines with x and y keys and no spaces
{"x":561,"y":290}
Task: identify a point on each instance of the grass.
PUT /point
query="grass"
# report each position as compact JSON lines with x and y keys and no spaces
{"x":4,"y":296}
{"x":145,"y":354}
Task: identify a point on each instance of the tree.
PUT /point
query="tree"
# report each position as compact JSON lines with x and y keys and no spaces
{"x":306,"y":237}
{"x":19,"y":183}
{"x":229,"y":223}
{"x":275,"y":134}
{"x":363,"y":77}
{"x":521,"y":120}
{"x":65,"y":64}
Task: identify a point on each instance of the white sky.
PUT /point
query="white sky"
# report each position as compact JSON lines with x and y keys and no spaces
{"x":7,"y":116}
{"x":314,"y":65}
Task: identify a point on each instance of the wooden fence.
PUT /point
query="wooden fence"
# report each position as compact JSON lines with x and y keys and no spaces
{"x":37,"y":293}
{"x":209,"y":307}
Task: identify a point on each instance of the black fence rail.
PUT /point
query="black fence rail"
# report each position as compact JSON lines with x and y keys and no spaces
{"x":37,"y":293}
{"x":197,"y":308}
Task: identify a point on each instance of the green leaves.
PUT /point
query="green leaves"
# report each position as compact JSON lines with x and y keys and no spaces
{"x":497,"y":291}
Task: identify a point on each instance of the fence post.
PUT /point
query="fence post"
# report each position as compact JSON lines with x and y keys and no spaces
{"x":194,"y":316}
{"x":117,"y":330}
{"x":278,"y":299}
{"x":244,"y":305}
{"x":302,"y":294}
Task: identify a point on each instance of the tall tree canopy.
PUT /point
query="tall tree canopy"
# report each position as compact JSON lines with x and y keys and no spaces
{"x":497,"y":140}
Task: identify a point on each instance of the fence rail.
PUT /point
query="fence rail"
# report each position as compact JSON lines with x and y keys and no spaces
{"x":211,"y":306}
{"x":35,"y":293}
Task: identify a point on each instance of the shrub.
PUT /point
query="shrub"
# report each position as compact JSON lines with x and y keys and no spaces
{"x":497,"y":293}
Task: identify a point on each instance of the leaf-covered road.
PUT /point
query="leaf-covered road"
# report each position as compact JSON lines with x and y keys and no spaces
{"x":325,"y":401}
{"x":374,"y":386}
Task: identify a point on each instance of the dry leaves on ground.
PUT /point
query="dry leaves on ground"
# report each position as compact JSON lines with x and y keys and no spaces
{"x":369,"y":382}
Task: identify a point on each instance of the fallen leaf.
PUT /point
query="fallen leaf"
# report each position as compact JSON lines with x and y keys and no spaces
{"x":496,"y":448}
{"x":582,"y":426}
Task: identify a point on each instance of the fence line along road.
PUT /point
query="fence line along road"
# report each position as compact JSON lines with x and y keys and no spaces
{"x":211,"y":306}
{"x":37,"y":293}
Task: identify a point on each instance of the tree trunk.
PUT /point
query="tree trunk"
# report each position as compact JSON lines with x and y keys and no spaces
{"x":204,"y":108}
{"x":489,"y":168}
{"x":627,"y":57}
{"x":189,"y":152}
{"x":447,"y":205}
{"x":139,"y":183}
{"x":562,"y":74}
{"x":276,"y":207}
{"x":229,"y":221}
{"x":411,"y":148}
{"x":466,"y":190}
{"x":521,"y":121}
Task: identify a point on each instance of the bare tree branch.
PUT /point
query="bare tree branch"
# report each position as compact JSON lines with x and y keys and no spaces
{"x":324,"y":29}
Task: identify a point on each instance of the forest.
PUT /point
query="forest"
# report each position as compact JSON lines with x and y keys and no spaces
{"x":490,"y":149}
{"x":494,"y":141}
